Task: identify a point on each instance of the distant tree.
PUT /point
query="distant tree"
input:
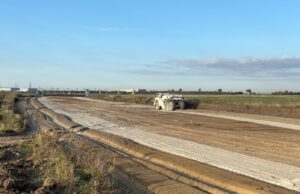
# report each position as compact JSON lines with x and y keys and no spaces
{"x":249,"y":91}
{"x":220,"y":90}
{"x":199,"y":90}
{"x":180,"y":90}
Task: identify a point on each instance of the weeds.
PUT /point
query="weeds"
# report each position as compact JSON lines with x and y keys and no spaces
{"x":75,"y":172}
{"x":53,"y":161}
{"x":9,"y":122}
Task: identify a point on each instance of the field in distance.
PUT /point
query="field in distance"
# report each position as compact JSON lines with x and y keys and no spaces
{"x":274,"y":105}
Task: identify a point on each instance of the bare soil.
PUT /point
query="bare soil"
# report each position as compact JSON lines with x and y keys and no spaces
{"x":129,"y":176}
{"x":262,"y":141}
{"x":121,"y":173}
{"x":16,"y":171}
{"x":205,"y":173}
{"x":199,"y":129}
{"x":257,"y":109}
{"x":288,"y":112}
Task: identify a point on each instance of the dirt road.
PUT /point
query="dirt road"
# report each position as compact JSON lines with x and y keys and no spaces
{"x":276,"y":150}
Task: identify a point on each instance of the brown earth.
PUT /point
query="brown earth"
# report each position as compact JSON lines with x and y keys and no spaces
{"x":198,"y":175}
{"x":128,"y":175}
{"x":141,"y":164}
{"x":271,"y":110}
{"x":25,"y":160}
{"x":131,"y":176}
{"x":16,"y":171}
{"x":288,"y":112}
{"x":262,"y":141}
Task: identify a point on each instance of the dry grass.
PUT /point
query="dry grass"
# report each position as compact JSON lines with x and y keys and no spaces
{"x":52,"y":158}
{"x":71,"y":170}
{"x":9,"y":121}
{"x":52,"y":161}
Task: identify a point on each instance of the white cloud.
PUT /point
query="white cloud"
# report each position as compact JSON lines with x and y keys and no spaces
{"x":280,"y":67}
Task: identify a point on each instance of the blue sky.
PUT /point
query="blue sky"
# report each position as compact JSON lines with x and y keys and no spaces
{"x":153,"y":44}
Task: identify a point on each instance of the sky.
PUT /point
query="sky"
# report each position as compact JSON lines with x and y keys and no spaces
{"x":152,"y":44}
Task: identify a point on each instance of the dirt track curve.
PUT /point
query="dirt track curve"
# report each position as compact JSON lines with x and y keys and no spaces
{"x":196,"y":137}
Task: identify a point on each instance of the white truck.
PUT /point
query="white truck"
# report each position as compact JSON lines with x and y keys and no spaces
{"x":169,"y":102}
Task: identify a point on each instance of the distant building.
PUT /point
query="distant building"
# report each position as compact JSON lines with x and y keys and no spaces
{"x":23,"y":90}
{"x":5,"y":89}
{"x":127,"y":90}
{"x":132,"y":90}
{"x":140,"y":90}
{"x":14,"y":89}
{"x":31,"y":90}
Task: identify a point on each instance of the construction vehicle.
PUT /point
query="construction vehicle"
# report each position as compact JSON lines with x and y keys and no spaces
{"x":169,"y":102}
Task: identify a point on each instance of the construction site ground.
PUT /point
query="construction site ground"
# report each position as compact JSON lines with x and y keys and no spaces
{"x":265,"y":148}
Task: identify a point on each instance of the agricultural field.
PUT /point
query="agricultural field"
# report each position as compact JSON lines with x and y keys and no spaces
{"x":270,"y":100}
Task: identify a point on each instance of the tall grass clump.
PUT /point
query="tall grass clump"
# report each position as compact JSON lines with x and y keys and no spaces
{"x":9,"y":121}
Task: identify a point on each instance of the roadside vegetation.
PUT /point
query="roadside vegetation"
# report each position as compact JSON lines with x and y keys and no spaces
{"x":53,"y":159}
{"x":9,"y":122}
{"x":45,"y":163}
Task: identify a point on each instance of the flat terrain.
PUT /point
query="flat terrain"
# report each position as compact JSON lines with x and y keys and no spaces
{"x":274,"y":105}
{"x":271,"y":149}
{"x":278,"y":100}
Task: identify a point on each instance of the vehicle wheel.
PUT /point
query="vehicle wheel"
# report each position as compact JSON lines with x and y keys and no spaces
{"x":170,"y":106}
{"x":181,"y":105}
{"x":157,"y":107}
